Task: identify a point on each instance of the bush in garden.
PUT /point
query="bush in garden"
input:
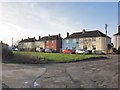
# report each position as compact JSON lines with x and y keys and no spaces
{"x":118,"y":50}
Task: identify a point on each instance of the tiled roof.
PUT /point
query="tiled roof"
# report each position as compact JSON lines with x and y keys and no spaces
{"x":28,"y":40}
{"x":117,"y":34}
{"x":95,"y":33}
{"x":53,"y":37}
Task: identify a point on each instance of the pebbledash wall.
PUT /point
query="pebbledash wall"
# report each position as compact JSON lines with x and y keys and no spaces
{"x":91,"y":40}
{"x":117,"y":39}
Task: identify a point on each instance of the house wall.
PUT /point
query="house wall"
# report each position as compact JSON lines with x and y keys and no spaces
{"x":69,"y":43}
{"x":59,"y":45}
{"x":26,"y":45}
{"x":99,"y":42}
{"x":40,"y":44}
{"x":51,"y":44}
{"x":116,"y":41}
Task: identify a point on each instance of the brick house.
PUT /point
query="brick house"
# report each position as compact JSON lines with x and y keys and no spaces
{"x":117,"y":39}
{"x":53,"y":41}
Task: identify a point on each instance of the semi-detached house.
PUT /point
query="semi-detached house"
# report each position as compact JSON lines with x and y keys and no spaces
{"x":117,"y":39}
{"x":90,"y":40}
{"x":27,"y":44}
{"x":50,"y":41}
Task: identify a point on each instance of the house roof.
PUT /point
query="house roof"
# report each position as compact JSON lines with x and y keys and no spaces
{"x":28,"y":40}
{"x":53,"y":37}
{"x":95,"y":33}
{"x":117,"y":34}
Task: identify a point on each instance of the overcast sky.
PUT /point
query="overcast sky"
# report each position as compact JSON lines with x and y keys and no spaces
{"x":33,"y":19}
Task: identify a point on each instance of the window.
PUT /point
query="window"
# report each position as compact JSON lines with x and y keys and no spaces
{"x":66,"y":47}
{"x":94,"y":47}
{"x":93,"y":39}
{"x":89,"y":39}
{"x":47,"y":42}
{"x":74,"y":40}
{"x":74,"y":48}
{"x":67,"y":41}
{"x":52,"y":41}
{"x":85,"y":47}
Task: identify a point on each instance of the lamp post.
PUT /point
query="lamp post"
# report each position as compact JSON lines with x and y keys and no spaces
{"x":106,"y":36}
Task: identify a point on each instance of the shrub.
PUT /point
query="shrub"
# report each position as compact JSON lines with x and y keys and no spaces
{"x":118,"y":50}
{"x":6,"y":53}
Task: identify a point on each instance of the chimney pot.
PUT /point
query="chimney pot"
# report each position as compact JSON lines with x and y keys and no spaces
{"x":83,"y":31}
{"x":67,"y":34}
{"x":119,"y":29}
{"x":48,"y":35}
{"x":59,"y":35}
{"x":39,"y":37}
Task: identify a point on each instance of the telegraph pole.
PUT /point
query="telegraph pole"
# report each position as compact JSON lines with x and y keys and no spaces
{"x":106,"y":36}
{"x":12,"y":42}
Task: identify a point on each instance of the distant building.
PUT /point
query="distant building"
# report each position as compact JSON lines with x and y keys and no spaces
{"x":53,"y":41}
{"x":90,"y":40}
{"x":3,"y":45}
{"x":27,"y":44}
{"x":117,"y":39}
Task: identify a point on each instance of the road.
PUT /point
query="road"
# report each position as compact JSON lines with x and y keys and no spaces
{"x":84,"y":74}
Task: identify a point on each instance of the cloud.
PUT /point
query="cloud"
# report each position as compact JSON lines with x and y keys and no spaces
{"x":21,"y":20}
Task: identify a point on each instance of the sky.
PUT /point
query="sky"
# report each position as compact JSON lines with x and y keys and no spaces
{"x":34,"y":19}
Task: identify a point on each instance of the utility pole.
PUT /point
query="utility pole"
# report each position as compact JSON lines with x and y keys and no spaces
{"x":106,"y":36}
{"x":12,"y":42}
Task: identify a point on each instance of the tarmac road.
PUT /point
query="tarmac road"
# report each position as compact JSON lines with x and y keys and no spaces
{"x":84,"y":74}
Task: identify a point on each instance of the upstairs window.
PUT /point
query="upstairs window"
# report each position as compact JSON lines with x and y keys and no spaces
{"x":74,"y":40}
{"x":47,"y":42}
{"x":67,"y":41}
{"x":93,"y":39}
{"x":52,"y":41}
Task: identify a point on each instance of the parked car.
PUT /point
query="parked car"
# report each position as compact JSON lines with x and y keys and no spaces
{"x":99,"y":52}
{"x":68,"y":51}
{"x":40,"y":50}
{"x":49,"y":50}
{"x":15,"y":49}
{"x":81,"y":51}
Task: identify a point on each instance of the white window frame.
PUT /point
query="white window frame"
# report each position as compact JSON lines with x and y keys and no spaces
{"x":74,"y":40}
{"x":67,"y":41}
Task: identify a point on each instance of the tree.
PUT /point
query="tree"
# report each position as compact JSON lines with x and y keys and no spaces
{"x":118,"y":50}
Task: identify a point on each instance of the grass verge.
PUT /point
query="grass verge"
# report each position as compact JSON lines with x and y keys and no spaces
{"x":39,"y":57}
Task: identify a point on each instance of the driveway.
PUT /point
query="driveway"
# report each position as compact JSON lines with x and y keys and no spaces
{"x":84,"y":74}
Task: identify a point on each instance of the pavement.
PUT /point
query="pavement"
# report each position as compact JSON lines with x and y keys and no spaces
{"x":83,"y":74}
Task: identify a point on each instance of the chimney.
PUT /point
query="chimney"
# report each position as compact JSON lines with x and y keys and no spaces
{"x":59,"y":35}
{"x":67,"y":34}
{"x":48,"y":35}
{"x":28,"y":37}
{"x":83,"y":31}
{"x":119,"y":29}
{"x":39,"y":37}
{"x":22,"y":39}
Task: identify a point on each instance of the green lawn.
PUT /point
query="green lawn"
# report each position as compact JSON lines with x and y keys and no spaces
{"x":57,"y":57}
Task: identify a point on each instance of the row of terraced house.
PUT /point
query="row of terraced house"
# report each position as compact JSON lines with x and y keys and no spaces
{"x":90,"y":40}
